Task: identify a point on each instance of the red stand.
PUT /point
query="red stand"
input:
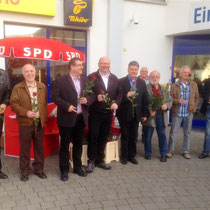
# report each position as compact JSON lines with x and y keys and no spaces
{"x":11,"y":143}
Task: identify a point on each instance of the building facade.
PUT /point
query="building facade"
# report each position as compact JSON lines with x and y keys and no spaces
{"x":160,"y":34}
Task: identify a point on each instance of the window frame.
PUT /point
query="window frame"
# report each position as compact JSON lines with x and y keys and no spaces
{"x":150,"y":1}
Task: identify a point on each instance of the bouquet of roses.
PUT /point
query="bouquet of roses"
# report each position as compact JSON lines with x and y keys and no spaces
{"x":132,"y":99}
{"x":35,"y":108}
{"x":156,"y":99}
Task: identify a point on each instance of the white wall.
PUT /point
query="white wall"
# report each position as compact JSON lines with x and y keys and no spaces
{"x":98,"y":33}
{"x":115,"y":35}
{"x":179,"y":17}
{"x":146,"y":42}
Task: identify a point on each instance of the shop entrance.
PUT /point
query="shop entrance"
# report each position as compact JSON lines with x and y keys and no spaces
{"x":193,"y":51}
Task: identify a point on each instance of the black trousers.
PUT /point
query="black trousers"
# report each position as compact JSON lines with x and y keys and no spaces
{"x":129,"y":134}
{"x":1,"y":126}
{"x":99,"y":128}
{"x":67,"y":133}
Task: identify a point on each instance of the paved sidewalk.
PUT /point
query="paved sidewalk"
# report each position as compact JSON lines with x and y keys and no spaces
{"x":177,"y":184}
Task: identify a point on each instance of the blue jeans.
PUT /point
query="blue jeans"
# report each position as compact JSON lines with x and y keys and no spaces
{"x":161,"y":131}
{"x":206,"y":145}
{"x":187,"y":125}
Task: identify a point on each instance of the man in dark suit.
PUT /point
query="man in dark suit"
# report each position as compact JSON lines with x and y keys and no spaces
{"x":4,"y":102}
{"x":72,"y":115}
{"x":132,"y":110}
{"x":205,"y":109}
{"x":101,"y":112}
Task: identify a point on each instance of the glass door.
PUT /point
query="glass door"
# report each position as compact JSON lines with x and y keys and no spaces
{"x":194,"y":51}
{"x":200,"y":65}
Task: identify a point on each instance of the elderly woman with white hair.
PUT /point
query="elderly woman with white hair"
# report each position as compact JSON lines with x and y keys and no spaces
{"x":158,"y":116}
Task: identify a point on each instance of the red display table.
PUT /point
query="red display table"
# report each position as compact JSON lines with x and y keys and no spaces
{"x":11,"y":143}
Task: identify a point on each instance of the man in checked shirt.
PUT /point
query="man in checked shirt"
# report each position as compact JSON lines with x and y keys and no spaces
{"x":185,"y":102}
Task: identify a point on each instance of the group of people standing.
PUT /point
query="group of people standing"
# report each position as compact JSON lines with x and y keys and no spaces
{"x":93,"y":101}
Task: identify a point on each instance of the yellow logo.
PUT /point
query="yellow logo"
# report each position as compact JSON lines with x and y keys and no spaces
{"x":80,"y":4}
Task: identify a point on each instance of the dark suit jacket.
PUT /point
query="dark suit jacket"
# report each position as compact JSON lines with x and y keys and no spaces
{"x":64,"y":95}
{"x":206,"y":96}
{"x":125,"y":111}
{"x":113,"y":90}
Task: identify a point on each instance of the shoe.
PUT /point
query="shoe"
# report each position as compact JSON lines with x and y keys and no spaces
{"x":163,"y":158}
{"x":133,"y":160}
{"x":3,"y":175}
{"x":90,"y":167}
{"x":41,"y":175}
{"x":202,"y":156}
{"x":104,"y":166}
{"x":64,"y":176}
{"x":186,"y":156}
{"x":24,"y":177}
{"x":80,"y":172}
{"x":169,"y":154}
{"x":147,"y":157}
{"x":124,"y":161}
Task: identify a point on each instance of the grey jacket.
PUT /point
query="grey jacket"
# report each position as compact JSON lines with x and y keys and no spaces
{"x":4,"y":88}
{"x":168,"y":101}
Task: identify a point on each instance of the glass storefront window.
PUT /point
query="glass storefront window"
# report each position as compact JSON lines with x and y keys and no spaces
{"x":76,"y":39}
{"x":71,"y":38}
{"x":16,"y":30}
{"x":14,"y":65}
{"x":200,"y":66}
{"x":47,"y":71}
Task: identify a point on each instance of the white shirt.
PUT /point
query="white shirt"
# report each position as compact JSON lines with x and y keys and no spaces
{"x":77,"y":85}
{"x":105,"y":79}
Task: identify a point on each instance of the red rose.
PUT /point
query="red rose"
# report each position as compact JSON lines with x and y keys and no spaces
{"x":34,"y":94}
{"x":154,"y":89}
{"x":100,"y":90}
{"x":94,"y":77}
{"x":189,"y":75}
{"x":158,"y":95}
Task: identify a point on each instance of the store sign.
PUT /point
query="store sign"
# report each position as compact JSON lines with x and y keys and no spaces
{"x":78,"y":12}
{"x":200,"y":15}
{"x":39,"y":7}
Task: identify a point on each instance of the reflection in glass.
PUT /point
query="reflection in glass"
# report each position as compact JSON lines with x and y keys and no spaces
{"x":15,"y":30}
{"x":200,"y":66}
{"x":71,"y":38}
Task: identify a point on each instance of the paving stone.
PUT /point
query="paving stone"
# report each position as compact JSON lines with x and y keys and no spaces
{"x":94,"y":205}
{"x":34,"y":207}
{"x":47,"y":205}
{"x":69,"y":207}
{"x":19,"y":208}
{"x":177,"y":184}
{"x":108,"y":203}
{"x":8,"y":204}
{"x":61,"y":203}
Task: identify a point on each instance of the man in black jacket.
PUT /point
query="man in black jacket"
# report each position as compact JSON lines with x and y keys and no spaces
{"x":205,"y":109}
{"x":4,"y":101}
{"x":72,"y":115}
{"x":109,"y":96}
{"x":132,"y":110}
